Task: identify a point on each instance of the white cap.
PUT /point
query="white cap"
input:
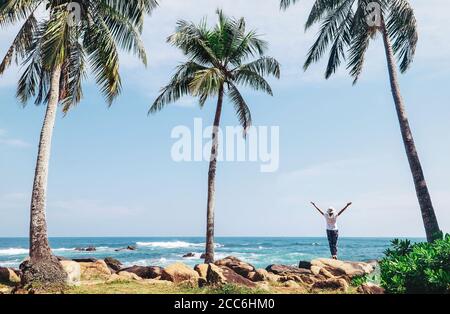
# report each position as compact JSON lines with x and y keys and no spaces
{"x":331,"y":210}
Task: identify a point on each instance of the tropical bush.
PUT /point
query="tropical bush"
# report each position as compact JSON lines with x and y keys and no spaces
{"x":417,"y":268}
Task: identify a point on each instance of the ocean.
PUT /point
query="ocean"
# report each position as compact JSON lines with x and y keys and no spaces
{"x":158,"y":251}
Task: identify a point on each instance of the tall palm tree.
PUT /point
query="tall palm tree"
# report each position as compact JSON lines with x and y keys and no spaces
{"x":346,"y":30}
{"x":55,"y":54}
{"x":215,"y":67}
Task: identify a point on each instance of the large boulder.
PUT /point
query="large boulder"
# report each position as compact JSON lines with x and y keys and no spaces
{"x":202,"y":270}
{"x":9,"y":276}
{"x":220,"y":275}
{"x":73,"y":270}
{"x":284,"y":270}
{"x":96,"y":270}
{"x":234,"y":263}
{"x":179,"y":272}
{"x":341,"y":268}
{"x":113,"y":264}
{"x":146,"y":272}
{"x":332,"y":284}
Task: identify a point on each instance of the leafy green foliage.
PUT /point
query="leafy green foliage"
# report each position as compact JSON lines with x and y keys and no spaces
{"x":417,"y":268}
{"x":216,"y":62}
{"x":345,"y":34}
{"x":359,"y":280}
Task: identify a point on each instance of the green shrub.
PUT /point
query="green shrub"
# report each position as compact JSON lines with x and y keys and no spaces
{"x":417,"y":268}
{"x":359,"y":280}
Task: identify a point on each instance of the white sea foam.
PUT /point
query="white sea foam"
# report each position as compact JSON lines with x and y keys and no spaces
{"x":173,"y":244}
{"x":63,"y":249}
{"x":13,"y":251}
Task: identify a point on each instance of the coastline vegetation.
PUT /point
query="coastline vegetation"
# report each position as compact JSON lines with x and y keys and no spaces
{"x":417,"y":268}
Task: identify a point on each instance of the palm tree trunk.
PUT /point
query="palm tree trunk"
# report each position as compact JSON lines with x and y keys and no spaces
{"x":209,"y":256}
{"x":428,"y":215}
{"x":43,"y":267}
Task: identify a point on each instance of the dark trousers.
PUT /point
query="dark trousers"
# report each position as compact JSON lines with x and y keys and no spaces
{"x":332,"y":240}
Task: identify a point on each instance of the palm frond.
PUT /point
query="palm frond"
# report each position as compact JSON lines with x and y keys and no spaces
{"x":242,"y":111}
{"x":21,"y":43}
{"x":402,"y":28}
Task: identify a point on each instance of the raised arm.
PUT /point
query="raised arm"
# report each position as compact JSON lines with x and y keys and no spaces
{"x":343,"y":209}
{"x":321,"y":212}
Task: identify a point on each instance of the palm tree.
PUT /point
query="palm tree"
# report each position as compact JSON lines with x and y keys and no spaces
{"x":55,"y":54}
{"x":346,"y":30}
{"x":215,"y":68}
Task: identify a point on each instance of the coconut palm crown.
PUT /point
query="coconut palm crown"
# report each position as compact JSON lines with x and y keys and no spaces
{"x":218,"y":62}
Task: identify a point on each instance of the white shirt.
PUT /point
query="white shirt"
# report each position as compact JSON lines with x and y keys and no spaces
{"x":331,"y":221}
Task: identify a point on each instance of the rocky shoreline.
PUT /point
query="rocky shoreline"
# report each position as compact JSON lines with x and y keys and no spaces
{"x":309,"y":277}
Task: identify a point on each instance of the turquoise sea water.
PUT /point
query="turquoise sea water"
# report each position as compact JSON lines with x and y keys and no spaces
{"x":158,"y":251}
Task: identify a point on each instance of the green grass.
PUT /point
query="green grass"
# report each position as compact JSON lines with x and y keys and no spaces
{"x":136,"y":287}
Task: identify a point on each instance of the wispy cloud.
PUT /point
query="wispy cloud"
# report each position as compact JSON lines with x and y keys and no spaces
{"x":14,"y":142}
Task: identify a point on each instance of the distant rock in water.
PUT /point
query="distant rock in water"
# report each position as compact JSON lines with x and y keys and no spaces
{"x":88,"y":249}
{"x":128,"y":248}
{"x":189,"y":255}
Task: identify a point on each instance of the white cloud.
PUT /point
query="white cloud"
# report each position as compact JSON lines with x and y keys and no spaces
{"x":14,"y":142}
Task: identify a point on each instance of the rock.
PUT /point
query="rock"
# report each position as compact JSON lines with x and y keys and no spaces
{"x":114,"y":264}
{"x":315,"y":270}
{"x":323,"y":271}
{"x":128,"y":276}
{"x":332,"y":284}
{"x":9,"y":276}
{"x":203,"y":256}
{"x":291,"y":284}
{"x":202,"y":282}
{"x":73,"y":270}
{"x":96,"y":270}
{"x":179,"y":272}
{"x":340,"y":268}
{"x":284,"y":270}
{"x":189,"y":255}
{"x":240,"y":267}
{"x":304,"y":264}
{"x":85,"y":260}
{"x":370,"y":288}
{"x":202,"y":270}
{"x":128,"y":248}
{"x":220,"y":275}
{"x":146,"y":272}
{"x":88,"y":249}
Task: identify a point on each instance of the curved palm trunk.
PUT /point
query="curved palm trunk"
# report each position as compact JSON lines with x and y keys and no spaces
{"x":209,"y":256}
{"x":423,"y":195}
{"x":43,"y":267}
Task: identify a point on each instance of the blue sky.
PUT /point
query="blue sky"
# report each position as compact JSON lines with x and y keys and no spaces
{"x":112,"y":174}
